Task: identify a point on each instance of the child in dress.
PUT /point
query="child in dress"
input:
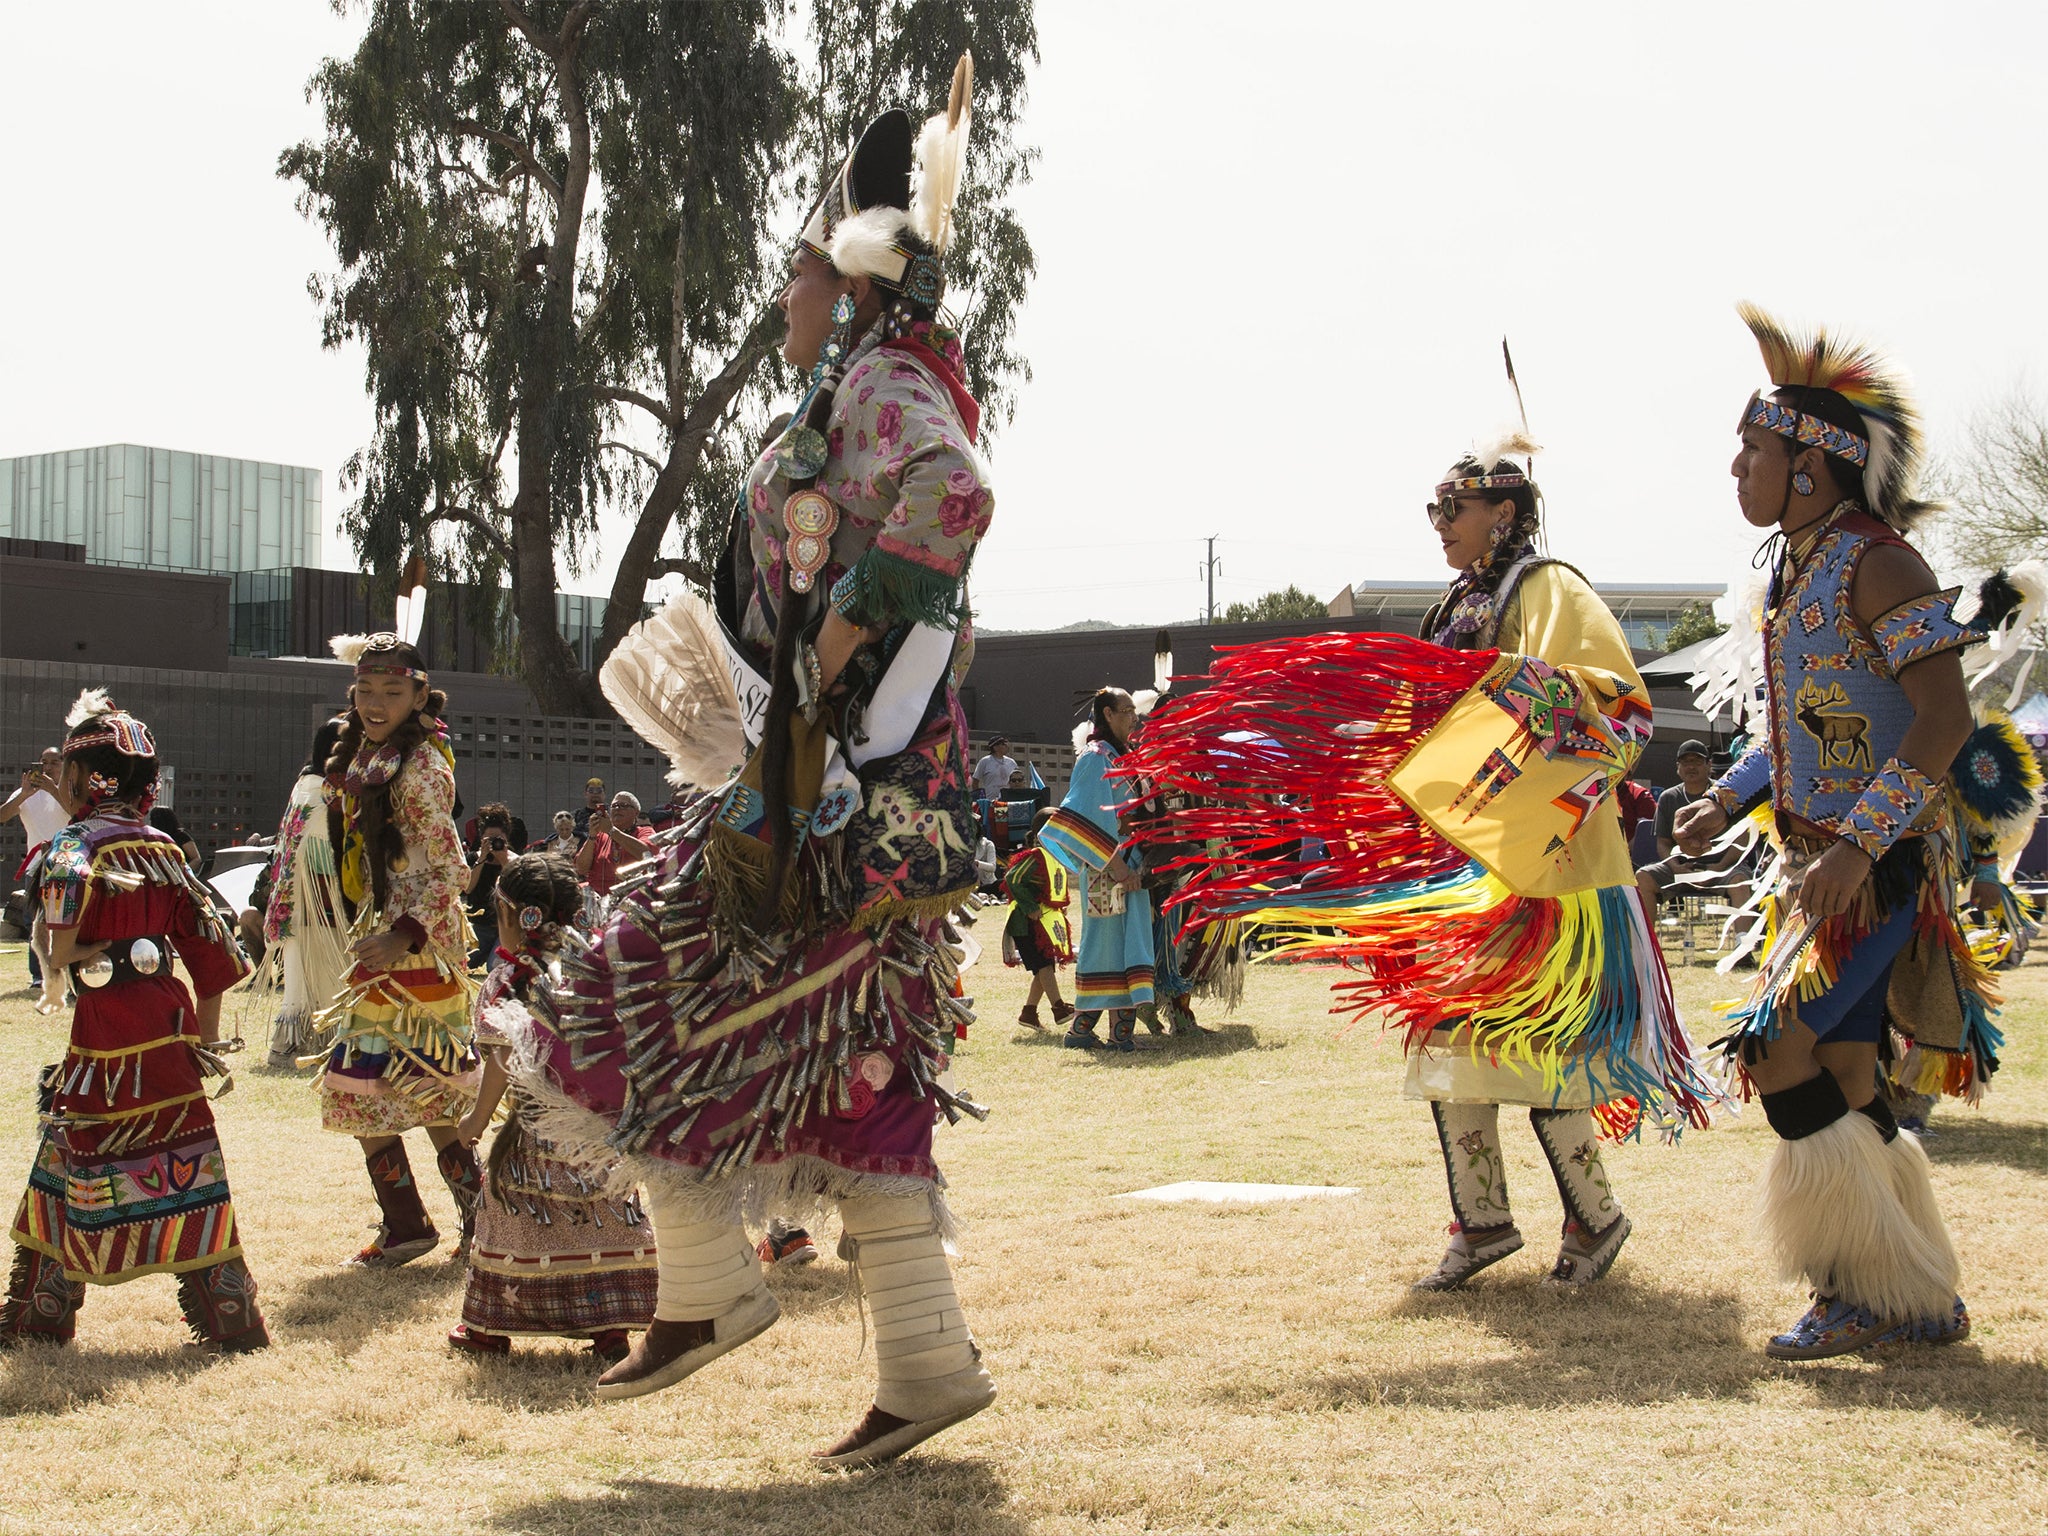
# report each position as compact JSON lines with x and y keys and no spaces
{"x":1037,"y":936}
{"x":554,"y":1255}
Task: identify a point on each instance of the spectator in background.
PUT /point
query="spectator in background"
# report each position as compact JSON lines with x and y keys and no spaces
{"x":44,"y":812}
{"x":992,"y":773}
{"x":479,"y":897}
{"x":1692,"y":858}
{"x":629,"y":836}
{"x":563,"y":842}
{"x":165,"y":820}
{"x":513,"y":826}
{"x":1637,"y":805}
{"x":596,"y":864}
{"x":593,"y":804}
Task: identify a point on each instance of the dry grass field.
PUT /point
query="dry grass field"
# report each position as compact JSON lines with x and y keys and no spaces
{"x":1261,"y":1369}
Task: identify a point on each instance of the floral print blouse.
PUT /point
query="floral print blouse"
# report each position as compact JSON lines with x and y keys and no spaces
{"x":910,"y":488}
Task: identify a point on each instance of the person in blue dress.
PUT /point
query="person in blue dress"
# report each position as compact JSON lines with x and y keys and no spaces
{"x":1114,"y":972}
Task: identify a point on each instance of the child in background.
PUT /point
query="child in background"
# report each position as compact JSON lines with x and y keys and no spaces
{"x":554,"y":1256}
{"x":1037,"y":935}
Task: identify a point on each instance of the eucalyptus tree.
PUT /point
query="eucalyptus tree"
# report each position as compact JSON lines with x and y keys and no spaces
{"x":559,"y":227}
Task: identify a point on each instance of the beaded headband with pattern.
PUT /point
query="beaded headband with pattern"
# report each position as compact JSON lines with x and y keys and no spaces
{"x":1890,"y":449}
{"x":119,"y":730}
{"x":1807,"y":431}
{"x":1479,"y":483}
{"x":377,"y":655}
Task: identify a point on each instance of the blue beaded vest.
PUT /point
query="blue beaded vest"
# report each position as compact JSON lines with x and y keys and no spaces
{"x":1837,"y":713}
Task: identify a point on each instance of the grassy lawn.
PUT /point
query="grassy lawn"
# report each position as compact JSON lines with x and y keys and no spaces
{"x":1162,"y":1368}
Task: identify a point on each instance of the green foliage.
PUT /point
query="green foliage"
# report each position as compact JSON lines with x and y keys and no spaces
{"x":1289,"y":603}
{"x":1695,"y":622}
{"x":559,"y":231}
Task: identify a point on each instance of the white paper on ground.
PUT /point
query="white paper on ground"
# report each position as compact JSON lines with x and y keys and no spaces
{"x":1205,"y":1191}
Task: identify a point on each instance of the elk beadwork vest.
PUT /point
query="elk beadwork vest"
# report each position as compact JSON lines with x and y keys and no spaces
{"x":1837,"y":712}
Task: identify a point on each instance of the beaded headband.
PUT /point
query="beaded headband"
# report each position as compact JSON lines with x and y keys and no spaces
{"x":120,"y":730}
{"x":378,"y":659}
{"x":1807,"y":431}
{"x":1479,"y":483}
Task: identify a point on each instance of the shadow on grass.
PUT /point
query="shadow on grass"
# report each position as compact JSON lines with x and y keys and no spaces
{"x":1965,"y":1136}
{"x":925,"y":1491}
{"x":1164,"y":1051}
{"x":1631,"y":1341}
{"x":52,"y":1379}
{"x":347,"y":1307}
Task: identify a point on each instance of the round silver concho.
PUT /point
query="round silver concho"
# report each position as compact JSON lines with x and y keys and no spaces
{"x":96,"y":972}
{"x":144,"y":955}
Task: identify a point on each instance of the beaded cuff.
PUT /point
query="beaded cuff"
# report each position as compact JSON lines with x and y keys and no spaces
{"x":1888,"y":807}
{"x":1925,"y":627}
{"x":1746,"y":783}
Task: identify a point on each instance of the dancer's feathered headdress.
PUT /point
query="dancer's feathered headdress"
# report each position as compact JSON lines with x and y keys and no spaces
{"x":1892,"y":447}
{"x":1489,"y":453}
{"x":888,"y":214}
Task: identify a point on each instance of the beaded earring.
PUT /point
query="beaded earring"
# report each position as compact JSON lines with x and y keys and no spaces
{"x":1802,"y":482}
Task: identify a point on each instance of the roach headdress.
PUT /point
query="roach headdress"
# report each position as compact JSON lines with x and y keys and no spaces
{"x":1890,"y":449}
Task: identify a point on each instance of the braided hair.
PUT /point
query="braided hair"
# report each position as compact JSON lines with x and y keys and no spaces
{"x":381,"y":836}
{"x":900,"y":314}
{"x":541,"y":887}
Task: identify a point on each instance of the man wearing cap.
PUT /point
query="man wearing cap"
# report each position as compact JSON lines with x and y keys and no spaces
{"x":593,"y":800}
{"x":1689,"y":857}
{"x":992,"y":773}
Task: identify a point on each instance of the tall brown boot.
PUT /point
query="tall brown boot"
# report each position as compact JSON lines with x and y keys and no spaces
{"x":465,"y":1181}
{"x":220,"y":1308}
{"x":405,"y":1233}
{"x":42,"y":1301}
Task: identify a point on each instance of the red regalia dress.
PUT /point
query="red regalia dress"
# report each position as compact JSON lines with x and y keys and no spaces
{"x":129,"y":1178}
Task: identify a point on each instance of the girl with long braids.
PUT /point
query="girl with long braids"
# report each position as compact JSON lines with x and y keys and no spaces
{"x":1476,"y":882}
{"x":555,"y":1255}
{"x":129,"y":1178}
{"x":766,"y":1018}
{"x":401,"y":1057}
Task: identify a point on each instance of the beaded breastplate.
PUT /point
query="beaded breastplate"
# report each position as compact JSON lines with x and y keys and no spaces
{"x":1837,"y":712}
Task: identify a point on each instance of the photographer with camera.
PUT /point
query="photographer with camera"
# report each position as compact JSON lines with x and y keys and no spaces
{"x":494,"y":853}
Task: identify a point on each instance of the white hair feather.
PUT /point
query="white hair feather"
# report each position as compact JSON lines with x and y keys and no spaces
{"x":92,"y":702}
{"x":865,"y":244}
{"x":1507,"y":443}
{"x":941,"y":162}
{"x":349,"y":648}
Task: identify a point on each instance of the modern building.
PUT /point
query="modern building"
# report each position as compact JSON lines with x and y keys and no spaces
{"x":1646,"y":609}
{"x":164,"y":509}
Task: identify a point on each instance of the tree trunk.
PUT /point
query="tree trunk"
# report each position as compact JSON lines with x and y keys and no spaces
{"x":547,"y":664}
{"x":686,"y":446}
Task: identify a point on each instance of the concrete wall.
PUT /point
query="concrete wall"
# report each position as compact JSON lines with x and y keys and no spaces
{"x":236,"y":735}
{"x":99,"y":615}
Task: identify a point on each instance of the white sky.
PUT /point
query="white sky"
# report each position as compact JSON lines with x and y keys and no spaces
{"x":1278,"y":248}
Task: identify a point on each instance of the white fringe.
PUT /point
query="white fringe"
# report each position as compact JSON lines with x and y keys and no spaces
{"x":1855,"y":1218}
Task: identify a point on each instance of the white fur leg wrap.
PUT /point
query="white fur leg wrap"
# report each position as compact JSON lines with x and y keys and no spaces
{"x":705,"y":1268}
{"x":1856,"y":1218}
{"x":925,"y":1355}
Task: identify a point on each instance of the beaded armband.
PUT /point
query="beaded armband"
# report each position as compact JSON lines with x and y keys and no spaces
{"x":1891,"y":804}
{"x":845,"y":594}
{"x":1746,"y":783}
{"x":1925,"y":627}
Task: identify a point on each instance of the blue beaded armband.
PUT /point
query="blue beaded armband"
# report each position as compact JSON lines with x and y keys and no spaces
{"x":1888,"y":807}
{"x":1925,"y":627}
{"x":1747,"y":782}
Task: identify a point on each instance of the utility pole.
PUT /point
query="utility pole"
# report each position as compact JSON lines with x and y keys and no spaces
{"x":1209,"y":567}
